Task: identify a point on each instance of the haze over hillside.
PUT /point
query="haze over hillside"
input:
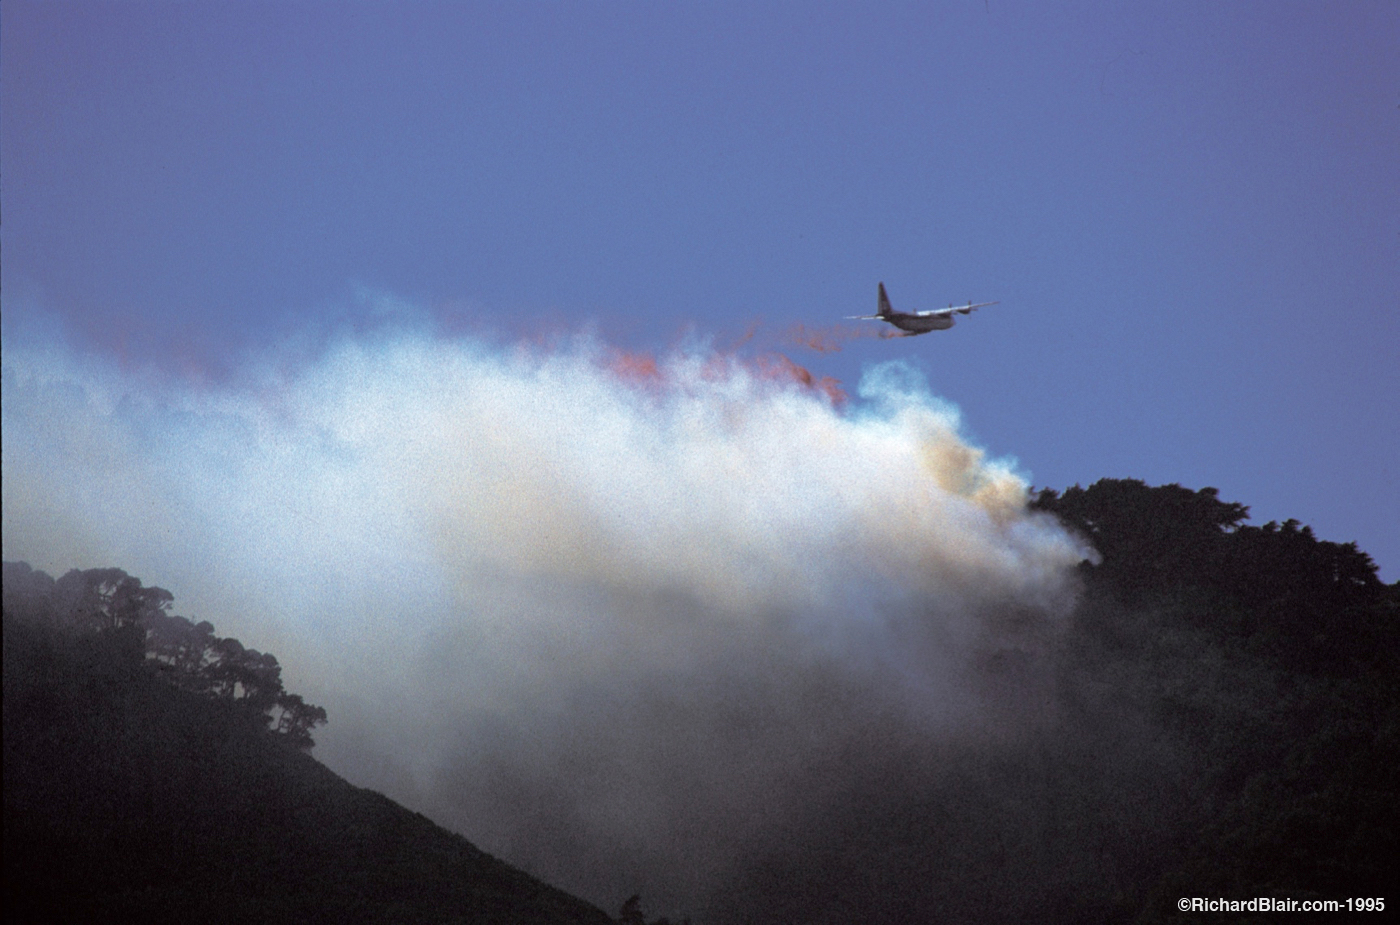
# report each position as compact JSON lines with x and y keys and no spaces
{"x":1217,"y":716}
{"x":144,"y":781}
{"x":615,"y":616}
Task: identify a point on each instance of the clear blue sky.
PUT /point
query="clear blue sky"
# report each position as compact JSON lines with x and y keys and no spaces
{"x":1190,"y":212}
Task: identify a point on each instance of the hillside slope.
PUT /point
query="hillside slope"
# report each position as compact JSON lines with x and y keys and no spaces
{"x":127,"y":798}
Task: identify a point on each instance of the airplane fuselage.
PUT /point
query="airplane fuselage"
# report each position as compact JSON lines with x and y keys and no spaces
{"x":911,"y":323}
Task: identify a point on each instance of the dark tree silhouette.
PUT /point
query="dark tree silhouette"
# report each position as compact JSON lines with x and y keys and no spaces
{"x":109,"y":603}
{"x":1307,"y":603}
{"x":631,"y":912}
{"x":295,"y":719}
{"x":1151,"y":538}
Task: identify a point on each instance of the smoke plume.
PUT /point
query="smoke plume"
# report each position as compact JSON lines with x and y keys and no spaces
{"x":830,"y":338}
{"x":633,"y":623}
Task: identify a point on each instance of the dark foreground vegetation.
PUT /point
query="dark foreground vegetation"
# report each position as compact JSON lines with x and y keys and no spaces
{"x":156,"y":773}
{"x":1223,"y":721}
{"x":1271,"y":660}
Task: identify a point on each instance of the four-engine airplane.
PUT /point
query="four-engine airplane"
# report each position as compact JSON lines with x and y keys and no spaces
{"x":912,"y":323}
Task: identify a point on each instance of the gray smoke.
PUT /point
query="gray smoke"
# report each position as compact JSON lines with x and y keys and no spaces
{"x":629,"y":624}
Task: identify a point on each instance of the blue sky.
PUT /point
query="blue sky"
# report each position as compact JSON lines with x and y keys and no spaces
{"x":1188,"y":211}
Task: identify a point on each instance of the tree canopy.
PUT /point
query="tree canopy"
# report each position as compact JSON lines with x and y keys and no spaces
{"x":1314,"y":605}
{"x":109,"y":603}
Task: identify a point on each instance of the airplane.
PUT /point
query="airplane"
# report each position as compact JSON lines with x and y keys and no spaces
{"x":912,"y":323}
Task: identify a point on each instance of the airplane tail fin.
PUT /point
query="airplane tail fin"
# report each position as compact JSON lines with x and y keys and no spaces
{"x":884,"y":310}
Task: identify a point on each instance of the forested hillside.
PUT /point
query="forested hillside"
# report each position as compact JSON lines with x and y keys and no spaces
{"x":1223,"y":721}
{"x":157,"y":773}
{"x":1271,"y":659}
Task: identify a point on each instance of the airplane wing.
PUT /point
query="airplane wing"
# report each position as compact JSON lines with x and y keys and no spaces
{"x":959,"y":309}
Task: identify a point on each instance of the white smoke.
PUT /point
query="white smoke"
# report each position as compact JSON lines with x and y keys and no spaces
{"x":624,"y":628}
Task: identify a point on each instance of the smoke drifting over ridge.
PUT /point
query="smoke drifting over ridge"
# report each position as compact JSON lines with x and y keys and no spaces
{"x":632,"y":625}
